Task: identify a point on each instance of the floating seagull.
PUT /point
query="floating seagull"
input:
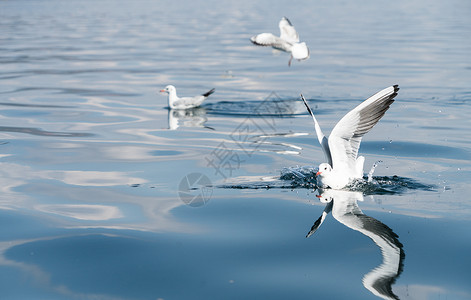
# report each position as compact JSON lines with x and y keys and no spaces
{"x":185,"y":102}
{"x":288,"y":41}
{"x":341,"y":149}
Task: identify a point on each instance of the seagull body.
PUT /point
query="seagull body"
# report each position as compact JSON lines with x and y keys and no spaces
{"x":175,"y":102}
{"x":341,"y":148}
{"x":288,"y":41}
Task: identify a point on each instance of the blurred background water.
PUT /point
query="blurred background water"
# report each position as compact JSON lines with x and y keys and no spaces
{"x":106,"y":194}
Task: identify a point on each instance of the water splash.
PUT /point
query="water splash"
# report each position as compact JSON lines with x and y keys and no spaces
{"x":305,"y":178}
{"x":370,"y":173}
{"x":300,"y":176}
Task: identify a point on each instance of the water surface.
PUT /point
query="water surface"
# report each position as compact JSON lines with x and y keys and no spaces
{"x":105,"y":191}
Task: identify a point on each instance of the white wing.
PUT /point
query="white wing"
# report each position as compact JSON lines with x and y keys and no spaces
{"x":320,"y":136}
{"x":287,"y":31}
{"x":268,"y":39}
{"x":188,"y":102}
{"x":345,"y":139}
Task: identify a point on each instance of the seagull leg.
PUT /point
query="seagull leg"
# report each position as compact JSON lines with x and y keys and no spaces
{"x":290,"y":59}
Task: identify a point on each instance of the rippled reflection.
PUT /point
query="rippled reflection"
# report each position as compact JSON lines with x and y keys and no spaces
{"x":344,"y":208}
{"x":193,"y":117}
{"x":38,"y":131}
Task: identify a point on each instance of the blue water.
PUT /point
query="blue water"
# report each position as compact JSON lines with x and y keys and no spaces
{"x":107,"y":194}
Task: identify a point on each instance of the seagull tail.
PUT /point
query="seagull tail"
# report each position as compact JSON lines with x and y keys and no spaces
{"x":208,"y":93}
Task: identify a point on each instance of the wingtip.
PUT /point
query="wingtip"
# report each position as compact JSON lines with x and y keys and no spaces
{"x":306,"y":104}
{"x":285,"y":18}
{"x":394,"y":94}
{"x":254,"y":41}
{"x":209,"y":92}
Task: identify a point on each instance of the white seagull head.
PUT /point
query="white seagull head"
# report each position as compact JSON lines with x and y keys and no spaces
{"x":169,"y":89}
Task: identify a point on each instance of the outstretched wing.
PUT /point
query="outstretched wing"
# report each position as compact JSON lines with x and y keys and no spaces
{"x":320,"y":136}
{"x":287,"y":31}
{"x":345,"y":138}
{"x":268,"y":39}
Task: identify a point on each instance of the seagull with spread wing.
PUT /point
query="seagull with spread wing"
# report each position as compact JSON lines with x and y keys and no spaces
{"x":288,"y":41}
{"x":341,"y":148}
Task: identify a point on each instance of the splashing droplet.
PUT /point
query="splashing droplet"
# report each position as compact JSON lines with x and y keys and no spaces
{"x":370,"y":174}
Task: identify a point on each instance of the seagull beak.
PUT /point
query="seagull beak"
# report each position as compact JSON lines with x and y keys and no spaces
{"x":162,"y":91}
{"x":319,"y":196}
{"x":318,"y":173}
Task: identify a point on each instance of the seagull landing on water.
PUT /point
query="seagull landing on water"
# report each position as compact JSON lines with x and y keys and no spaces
{"x":288,"y":41}
{"x":185,"y":102}
{"x":341,"y":149}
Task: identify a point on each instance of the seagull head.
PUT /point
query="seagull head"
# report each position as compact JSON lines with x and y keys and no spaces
{"x":324,"y":169}
{"x":168,"y":89}
{"x":324,"y":195}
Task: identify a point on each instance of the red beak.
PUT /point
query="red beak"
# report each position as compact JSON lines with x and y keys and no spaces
{"x":162,"y":91}
{"x":319,"y":196}
{"x":318,"y":173}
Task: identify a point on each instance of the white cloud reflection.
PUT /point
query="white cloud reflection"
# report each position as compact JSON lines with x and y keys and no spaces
{"x":93,"y":178}
{"x":82,"y":211}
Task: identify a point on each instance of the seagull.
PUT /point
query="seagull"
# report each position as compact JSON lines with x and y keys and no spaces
{"x":341,"y":149}
{"x":185,"y":102}
{"x":288,"y":41}
{"x":345,"y":209}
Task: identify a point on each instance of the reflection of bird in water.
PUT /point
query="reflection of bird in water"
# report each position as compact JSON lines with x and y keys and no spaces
{"x":344,"y":207}
{"x":176,"y":102}
{"x":288,"y":41}
{"x":341,"y":149}
{"x":192,"y":117}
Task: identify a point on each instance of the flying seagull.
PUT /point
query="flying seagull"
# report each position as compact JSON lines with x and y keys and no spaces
{"x":341,"y":149}
{"x":176,"y":102}
{"x":288,"y":41}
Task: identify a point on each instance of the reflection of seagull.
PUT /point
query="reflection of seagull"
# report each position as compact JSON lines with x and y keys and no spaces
{"x":341,"y":149}
{"x":288,"y":41}
{"x":185,"y":102}
{"x":192,"y":117}
{"x":344,"y":207}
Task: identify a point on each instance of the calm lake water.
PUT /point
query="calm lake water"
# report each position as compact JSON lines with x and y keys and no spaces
{"x":106,"y":194}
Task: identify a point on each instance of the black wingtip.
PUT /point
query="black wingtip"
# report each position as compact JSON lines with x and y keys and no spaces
{"x":258,"y":44}
{"x":289,"y":22}
{"x":314,"y":227}
{"x":209,"y":92}
{"x":396,"y":89}
{"x":307,"y":105}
